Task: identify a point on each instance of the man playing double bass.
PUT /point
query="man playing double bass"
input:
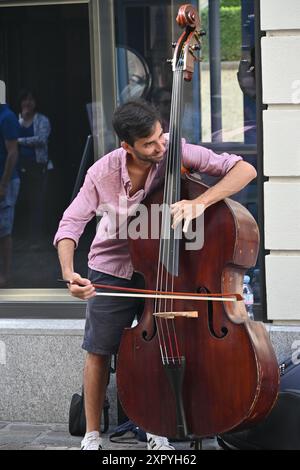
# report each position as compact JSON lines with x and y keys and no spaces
{"x":128,"y":174}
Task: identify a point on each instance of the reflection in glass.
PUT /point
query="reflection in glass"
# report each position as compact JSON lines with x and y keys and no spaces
{"x":134,"y":78}
{"x":47,"y":49}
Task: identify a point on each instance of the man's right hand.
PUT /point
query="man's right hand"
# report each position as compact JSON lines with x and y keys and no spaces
{"x":80,"y":287}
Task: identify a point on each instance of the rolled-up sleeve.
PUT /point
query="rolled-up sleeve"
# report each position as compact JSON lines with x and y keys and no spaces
{"x":204,"y":160}
{"x":79,"y":213}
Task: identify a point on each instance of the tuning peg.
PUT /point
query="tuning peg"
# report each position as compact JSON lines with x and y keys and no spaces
{"x":169,"y":61}
{"x":203,"y":33}
{"x":174,"y":44}
{"x":196,"y":47}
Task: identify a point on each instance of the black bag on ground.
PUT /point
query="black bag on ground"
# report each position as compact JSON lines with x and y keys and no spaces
{"x":290,"y":374}
{"x":280,"y":430}
{"x":77,"y":421}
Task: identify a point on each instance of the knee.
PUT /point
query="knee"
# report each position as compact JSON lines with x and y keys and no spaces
{"x":97,"y":359}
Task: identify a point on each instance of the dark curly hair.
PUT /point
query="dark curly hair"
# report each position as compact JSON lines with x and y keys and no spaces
{"x":135,"y":120}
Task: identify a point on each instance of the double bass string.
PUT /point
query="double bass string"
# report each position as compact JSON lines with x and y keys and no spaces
{"x":169,"y":199}
{"x":159,"y":280}
{"x":176,"y":193}
{"x":171,"y":194}
{"x":173,"y":197}
{"x":177,"y":162}
{"x":164,"y":236}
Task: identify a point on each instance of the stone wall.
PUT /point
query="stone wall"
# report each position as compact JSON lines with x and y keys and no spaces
{"x":41,"y":363}
{"x":281,"y":121}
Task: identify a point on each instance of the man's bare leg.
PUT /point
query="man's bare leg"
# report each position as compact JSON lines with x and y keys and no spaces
{"x":95,"y":382}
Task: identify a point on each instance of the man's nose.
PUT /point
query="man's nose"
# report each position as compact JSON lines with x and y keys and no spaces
{"x":161,"y":147}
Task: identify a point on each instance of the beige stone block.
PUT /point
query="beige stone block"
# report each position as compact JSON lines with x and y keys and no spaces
{"x":282,"y":215}
{"x":281,"y":142}
{"x":281,"y":69}
{"x":282,"y":286}
{"x":276,"y":14}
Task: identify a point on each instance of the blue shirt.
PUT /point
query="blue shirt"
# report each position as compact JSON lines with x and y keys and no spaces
{"x":26,"y":153}
{"x":9,"y":130}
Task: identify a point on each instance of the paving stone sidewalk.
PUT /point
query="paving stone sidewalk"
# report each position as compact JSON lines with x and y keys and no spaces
{"x":26,"y":436}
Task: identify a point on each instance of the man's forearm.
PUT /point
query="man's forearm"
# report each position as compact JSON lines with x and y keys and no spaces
{"x":233,"y":182}
{"x":65,"y":248}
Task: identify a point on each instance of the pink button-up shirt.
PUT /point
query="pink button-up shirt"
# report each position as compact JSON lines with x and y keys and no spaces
{"x":106,"y":183}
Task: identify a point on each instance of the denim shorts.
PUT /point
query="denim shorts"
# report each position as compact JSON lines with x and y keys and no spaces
{"x":7,"y":207}
{"x":106,"y":317}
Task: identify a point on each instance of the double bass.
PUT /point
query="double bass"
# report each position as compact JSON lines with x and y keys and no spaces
{"x":191,"y":368}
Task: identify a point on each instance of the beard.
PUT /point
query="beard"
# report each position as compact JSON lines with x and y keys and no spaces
{"x":149,"y":158}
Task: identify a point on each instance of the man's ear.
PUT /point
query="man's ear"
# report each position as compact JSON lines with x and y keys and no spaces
{"x":126,"y":146}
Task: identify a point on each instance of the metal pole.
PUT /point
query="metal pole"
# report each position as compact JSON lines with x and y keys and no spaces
{"x":215,"y":70}
{"x":260,"y":170}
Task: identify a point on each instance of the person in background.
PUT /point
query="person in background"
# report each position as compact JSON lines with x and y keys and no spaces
{"x":9,"y":187}
{"x":35,"y":130}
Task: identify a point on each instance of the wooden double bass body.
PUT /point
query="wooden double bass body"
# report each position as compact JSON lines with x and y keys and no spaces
{"x":230,"y":374}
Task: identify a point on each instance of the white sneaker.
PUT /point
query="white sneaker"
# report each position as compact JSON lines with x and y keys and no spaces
{"x":158,"y":443}
{"x":91,"y":441}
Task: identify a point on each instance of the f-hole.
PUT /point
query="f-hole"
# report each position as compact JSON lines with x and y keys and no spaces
{"x":210,"y":315}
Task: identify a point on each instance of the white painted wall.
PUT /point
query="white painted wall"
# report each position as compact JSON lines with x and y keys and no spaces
{"x":280,"y":14}
{"x":281,"y":131}
{"x":281,"y":142}
{"x":283,"y":274}
{"x":282,"y":216}
{"x":281,"y":69}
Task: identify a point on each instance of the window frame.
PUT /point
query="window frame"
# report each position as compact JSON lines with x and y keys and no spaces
{"x":103,"y":59}
{"x":22,"y":303}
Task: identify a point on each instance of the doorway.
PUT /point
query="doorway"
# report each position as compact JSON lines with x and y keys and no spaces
{"x":47,"y":49}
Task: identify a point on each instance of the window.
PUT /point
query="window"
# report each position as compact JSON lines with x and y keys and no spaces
{"x":46,"y":49}
{"x":53,"y":49}
{"x":220,"y":104}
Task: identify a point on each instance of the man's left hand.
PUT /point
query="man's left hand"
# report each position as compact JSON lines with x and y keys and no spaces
{"x":187,"y":211}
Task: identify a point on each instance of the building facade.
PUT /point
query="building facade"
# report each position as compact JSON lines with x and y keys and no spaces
{"x":82,"y":58}
{"x":280,"y":74}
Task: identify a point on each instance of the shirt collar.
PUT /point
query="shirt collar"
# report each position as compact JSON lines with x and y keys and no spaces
{"x":124,"y":170}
